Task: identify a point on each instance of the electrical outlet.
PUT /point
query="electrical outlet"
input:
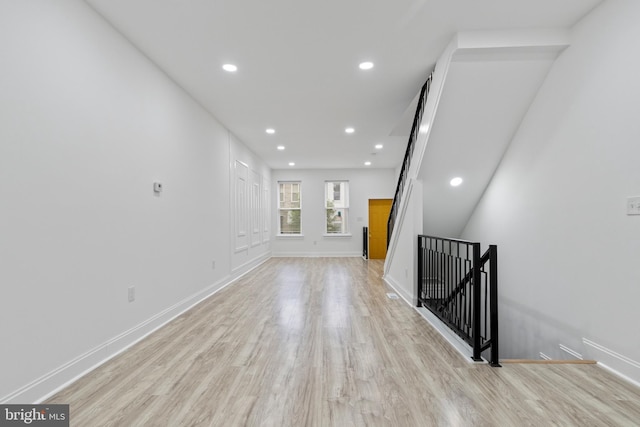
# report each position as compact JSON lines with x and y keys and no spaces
{"x":132,"y":293}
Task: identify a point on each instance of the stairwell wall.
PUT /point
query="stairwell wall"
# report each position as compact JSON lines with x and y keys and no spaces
{"x":556,"y":207}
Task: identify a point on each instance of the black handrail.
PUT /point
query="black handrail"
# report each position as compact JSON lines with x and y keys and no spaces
{"x":460,"y":287}
{"x":465,"y":280}
{"x":365,"y":242}
{"x":406,"y":162}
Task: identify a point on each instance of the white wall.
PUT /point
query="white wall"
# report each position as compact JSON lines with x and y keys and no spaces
{"x":364,"y":184}
{"x":568,"y":253}
{"x":87,"y":124}
{"x":401,"y":268}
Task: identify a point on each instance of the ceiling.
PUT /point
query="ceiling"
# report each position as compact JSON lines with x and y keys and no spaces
{"x":298,"y":64}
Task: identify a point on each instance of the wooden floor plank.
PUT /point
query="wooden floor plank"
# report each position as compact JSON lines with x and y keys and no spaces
{"x":317,"y":342}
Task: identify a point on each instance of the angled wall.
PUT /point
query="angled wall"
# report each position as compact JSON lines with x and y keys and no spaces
{"x":556,"y":207}
{"x":482,"y":86}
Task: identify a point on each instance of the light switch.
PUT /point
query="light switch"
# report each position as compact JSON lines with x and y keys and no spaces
{"x":157,"y":187}
{"x":633,"y":206}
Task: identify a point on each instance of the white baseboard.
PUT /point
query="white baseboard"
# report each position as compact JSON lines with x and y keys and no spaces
{"x":614,"y":362}
{"x":456,"y":342}
{"x":619,"y":375}
{"x":47,"y":385}
{"x":571,"y":351}
{"x":241,"y":270}
{"x":395,"y":285}
{"x":317,"y":255}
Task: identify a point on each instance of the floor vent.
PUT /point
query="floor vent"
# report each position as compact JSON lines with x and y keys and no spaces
{"x":392,"y":295}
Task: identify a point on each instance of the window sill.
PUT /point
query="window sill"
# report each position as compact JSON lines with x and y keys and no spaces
{"x":337,"y":235}
{"x":289,"y":236}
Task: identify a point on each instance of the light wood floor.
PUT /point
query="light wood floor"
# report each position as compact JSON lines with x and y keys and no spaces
{"x":316,"y":342}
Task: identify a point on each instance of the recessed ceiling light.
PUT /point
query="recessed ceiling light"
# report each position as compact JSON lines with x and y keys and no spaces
{"x":280,"y":147}
{"x":292,"y":164}
{"x":455,"y":181}
{"x":378,"y":146}
{"x":366,"y":65}
{"x":349,"y":130}
{"x":271,"y":131}
{"x":367,"y":163}
{"x":230,"y":68}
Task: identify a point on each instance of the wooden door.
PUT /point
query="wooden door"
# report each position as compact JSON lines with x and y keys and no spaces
{"x":378,"y":216}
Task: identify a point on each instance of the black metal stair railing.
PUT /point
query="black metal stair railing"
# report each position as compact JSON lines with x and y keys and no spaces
{"x":460,"y":287}
{"x":365,"y":242}
{"x":406,"y":162}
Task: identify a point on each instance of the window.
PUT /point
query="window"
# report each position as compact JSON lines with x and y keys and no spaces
{"x":289,"y":208}
{"x":337,"y":207}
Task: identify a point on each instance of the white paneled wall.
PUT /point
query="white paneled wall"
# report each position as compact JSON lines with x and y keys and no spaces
{"x":241,"y":196}
{"x":266,"y":210}
{"x":256,"y":211}
{"x":249,"y":212}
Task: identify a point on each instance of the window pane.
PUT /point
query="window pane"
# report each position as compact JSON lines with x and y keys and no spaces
{"x":337,"y":194}
{"x":336,"y":221}
{"x":289,"y":195}
{"x":289,"y":221}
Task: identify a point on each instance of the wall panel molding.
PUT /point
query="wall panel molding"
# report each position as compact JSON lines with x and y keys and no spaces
{"x":241,"y":214}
